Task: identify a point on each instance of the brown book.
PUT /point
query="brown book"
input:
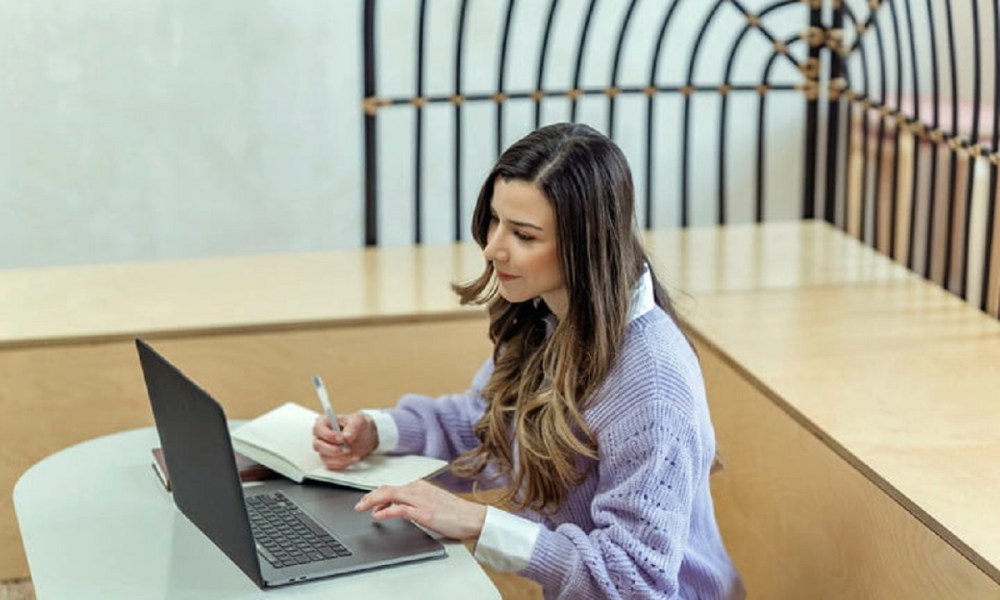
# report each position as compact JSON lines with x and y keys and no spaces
{"x":250,"y":470}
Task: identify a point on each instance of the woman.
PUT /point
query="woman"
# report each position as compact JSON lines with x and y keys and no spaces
{"x":591,"y":413}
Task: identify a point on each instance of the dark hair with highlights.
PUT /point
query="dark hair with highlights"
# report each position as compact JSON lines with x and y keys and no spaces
{"x":542,"y":382}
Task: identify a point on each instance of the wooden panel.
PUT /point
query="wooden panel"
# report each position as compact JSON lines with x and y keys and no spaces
{"x":190,"y":297}
{"x":902,"y":375}
{"x":801,"y":522}
{"x":56,"y":396}
{"x":88,"y":302}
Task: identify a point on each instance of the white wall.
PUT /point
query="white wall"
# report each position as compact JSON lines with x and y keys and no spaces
{"x":181,"y":128}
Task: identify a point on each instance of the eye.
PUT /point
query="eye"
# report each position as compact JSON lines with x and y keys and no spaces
{"x":524,"y":237}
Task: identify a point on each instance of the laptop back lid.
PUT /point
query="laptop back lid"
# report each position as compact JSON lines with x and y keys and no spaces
{"x":195,"y":438}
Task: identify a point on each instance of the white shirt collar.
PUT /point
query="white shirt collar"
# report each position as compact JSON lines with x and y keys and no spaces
{"x":642,"y":297}
{"x":642,"y":302}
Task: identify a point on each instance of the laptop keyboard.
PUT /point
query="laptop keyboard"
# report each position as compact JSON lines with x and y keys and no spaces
{"x":286,"y":536}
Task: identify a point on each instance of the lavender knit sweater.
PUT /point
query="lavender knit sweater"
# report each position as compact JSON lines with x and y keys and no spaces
{"x":642,"y":525}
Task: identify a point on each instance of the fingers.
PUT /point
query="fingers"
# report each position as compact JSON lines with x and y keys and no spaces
{"x":332,"y":456}
{"x":352,"y":426}
{"x":429,"y":506}
{"x":385,"y":495}
{"x":391,"y":502}
{"x":339,"y":450}
{"x":323,"y":431}
{"x":400,"y":511}
{"x":416,"y":493}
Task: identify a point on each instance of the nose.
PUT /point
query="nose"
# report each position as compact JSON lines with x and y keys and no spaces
{"x":494,"y":250}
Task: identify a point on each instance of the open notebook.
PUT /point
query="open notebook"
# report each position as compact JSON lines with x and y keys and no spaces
{"x":282,"y":440}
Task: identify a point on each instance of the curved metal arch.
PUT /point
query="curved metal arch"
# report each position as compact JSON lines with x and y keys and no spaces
{"x":880,"y":136}
{"x":686,"y":121}
{"x":935,"y":123}
{"x":918,"y":148}
{"x":723,"y":113}
{"x":463,"y":14}
{"x":894,"y":190}
{"x":992,"y":208}
{"x":859,"y":46}
{"x":501,"y":72}
{"x":580,"y":49}
{"x":899,"y":55}
{"x":974,"y":140}
{"x":553,"y":4}
{"x":761,"y":117}
{"x":849,"y":14}
{"x":953,"y":162}
{"x":651,"y":97}
{"x":623,"y":29}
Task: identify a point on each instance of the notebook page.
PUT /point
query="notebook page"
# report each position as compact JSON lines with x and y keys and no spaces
{"x":285,"y":431}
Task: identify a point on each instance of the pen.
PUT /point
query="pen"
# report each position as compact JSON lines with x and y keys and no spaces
{"x":324,"y":399}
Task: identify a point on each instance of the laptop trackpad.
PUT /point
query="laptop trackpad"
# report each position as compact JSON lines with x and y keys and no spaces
{"x":333,"y":507}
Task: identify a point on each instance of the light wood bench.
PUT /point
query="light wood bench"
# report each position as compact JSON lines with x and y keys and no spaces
{"x":856,"y":410}
{"x":853,"y":402}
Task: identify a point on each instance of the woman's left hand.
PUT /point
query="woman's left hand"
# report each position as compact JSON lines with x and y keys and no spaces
{"x":428,"y":506}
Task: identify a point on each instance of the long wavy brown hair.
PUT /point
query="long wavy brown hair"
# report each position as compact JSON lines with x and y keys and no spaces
{"x":545,"y":372}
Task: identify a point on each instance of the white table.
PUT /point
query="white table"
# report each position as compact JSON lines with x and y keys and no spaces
{"x":97,"y":523}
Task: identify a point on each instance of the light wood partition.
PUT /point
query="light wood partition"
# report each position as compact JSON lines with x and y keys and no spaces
{"x":854,"y":403}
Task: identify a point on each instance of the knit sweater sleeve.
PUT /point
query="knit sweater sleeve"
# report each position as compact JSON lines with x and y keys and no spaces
{"x":442,"y":426}
{"x":650,"y":461}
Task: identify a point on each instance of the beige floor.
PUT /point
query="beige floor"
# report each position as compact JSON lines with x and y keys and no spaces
{"x":17,"y":589}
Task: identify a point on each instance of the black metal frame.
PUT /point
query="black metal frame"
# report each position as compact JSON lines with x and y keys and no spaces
{"x":896,"y":117}
{"x":835,"y":95}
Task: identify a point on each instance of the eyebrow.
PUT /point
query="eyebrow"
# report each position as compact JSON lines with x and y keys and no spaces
{"x":519,"y":223}
{"x":526,"y":224}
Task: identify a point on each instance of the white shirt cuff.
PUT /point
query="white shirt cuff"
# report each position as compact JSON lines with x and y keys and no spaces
{"x":507,"y":540}
{"x":388,"y":433}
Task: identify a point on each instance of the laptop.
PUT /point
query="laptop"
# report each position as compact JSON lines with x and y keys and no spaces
{"x":244,"y":521}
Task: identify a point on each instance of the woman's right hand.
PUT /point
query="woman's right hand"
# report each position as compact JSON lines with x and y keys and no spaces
{"x":357,"y":438}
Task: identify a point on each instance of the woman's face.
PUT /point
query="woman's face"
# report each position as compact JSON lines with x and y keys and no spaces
{"x":521,"y":244}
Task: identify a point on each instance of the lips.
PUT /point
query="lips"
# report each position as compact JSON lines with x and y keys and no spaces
{"x":505,"y":276}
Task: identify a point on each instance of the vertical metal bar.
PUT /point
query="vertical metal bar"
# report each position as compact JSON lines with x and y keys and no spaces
{"x":501,"y":71}
{"x":724,"y":109}
{"x":650,"y":101}
{"x":622,"y":30}
{"x":371,"y":151}
{"x":879,"y":143}
{"x":865,"y":170}
{"x":686,"y":123}
{"x":418,"y":158}
{"x":992,"y":205}
{"x":974,"y":140}
{"x":834,"y":108}
{"x":917,"y":146}
{"x":459,"y":47}
{"x":848,"y":140}
{"x":761,"y":130}
{"x":865,"y":93}
{"x":541,"y":62}
{"x":953,"y":175}
{"x":580,"y":49}
{"x":894,"y":188}
{"x":761,"y":116}
{"x":812,"y":125}
{"x":935,"y":122}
